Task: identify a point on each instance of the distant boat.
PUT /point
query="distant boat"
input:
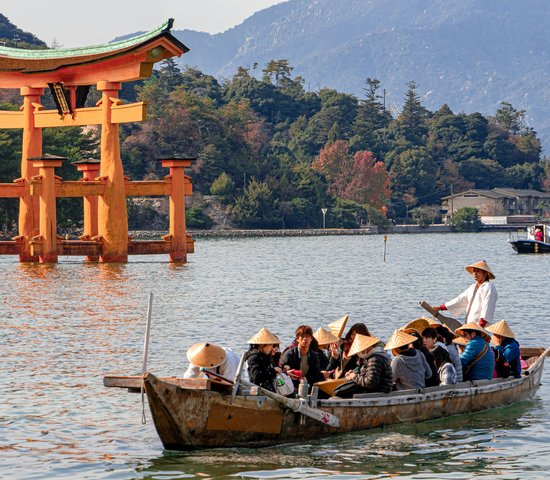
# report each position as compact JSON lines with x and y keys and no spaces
{"x":529,"y":244}
{"x":197,"y":413}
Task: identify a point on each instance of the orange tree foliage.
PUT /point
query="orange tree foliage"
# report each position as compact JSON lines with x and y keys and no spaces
{"x":359,"y":177}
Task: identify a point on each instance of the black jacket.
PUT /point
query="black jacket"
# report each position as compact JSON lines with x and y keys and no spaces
{"x":376,"y":373}
{"x":292,"y":358}
{"x":260,"y":369}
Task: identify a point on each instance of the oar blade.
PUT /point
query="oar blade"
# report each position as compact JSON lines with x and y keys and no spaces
{"x":319,"y":415}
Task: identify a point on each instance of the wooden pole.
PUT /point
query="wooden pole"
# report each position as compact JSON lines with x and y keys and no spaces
{"x":47,"y":207}
{"x":112,"y":214}
{"x":147,"y":330}
{"x":31,"y":147}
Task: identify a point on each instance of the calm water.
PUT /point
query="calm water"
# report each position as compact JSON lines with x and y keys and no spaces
{"x":63,"y":327}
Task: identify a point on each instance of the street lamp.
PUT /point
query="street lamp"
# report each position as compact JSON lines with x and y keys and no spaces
{"x":324,"y":210}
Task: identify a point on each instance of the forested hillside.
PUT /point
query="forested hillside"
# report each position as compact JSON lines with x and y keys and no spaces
{"x":469,"y":54}
{"x":11,"y":36}
{"x":274,"y":153}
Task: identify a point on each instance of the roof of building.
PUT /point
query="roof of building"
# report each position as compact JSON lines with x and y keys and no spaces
{"x":501,"y":193}
{"x":15,"y":62}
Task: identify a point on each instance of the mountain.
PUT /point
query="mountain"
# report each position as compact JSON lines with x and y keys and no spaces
{"x":470,"y":54}
{"x":11,"y":36}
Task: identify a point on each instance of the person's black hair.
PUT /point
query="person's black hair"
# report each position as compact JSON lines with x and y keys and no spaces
{"x":441,"y":356}
{"x":429,"y":332}
{"x":358,"y":328}
{"x":418,"y":344}
{"x":444,"y":333}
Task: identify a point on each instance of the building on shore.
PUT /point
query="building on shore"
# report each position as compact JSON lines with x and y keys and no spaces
{"x":498,"y":202}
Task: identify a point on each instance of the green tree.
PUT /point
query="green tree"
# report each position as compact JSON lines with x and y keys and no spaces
{"x":466,"y":219}
{"x":223,"y":187}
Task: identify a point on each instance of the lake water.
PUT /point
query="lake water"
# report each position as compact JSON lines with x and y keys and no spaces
{"x":64,"y":326}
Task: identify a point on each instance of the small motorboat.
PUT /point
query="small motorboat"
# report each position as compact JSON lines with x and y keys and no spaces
{"x":534,"y":242}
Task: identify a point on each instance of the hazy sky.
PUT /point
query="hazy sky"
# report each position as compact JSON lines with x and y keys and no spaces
{"x":77,"y":23}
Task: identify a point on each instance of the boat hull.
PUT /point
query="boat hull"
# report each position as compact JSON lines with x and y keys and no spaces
{"x":191,"y":419}
{"x":530,"y":246}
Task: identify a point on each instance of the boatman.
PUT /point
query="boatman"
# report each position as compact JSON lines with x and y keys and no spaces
{"x":220,"y":360}
{"x":478,"y":300}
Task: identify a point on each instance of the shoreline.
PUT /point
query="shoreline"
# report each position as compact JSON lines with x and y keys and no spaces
{"x":315,"y":232}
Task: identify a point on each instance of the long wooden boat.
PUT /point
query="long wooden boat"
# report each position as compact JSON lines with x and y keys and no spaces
{"x":193,"y":415}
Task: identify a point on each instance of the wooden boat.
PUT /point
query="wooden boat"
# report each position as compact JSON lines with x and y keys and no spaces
{"x":529,"y":244}
{"x":197,"y":413}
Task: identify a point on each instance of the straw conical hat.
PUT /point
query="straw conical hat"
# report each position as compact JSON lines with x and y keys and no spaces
{"x":434,"y":323}
{"x":460,"y":341}
{"x":206,"y":355}
{"x":337,"y":327}
{"x":263,"y":337}
{"x":501,"y":328}
{"x":361,"y":342}
{"x":482,"y":265}
{"x":472,"y":326}
{"x":324,"y":338}
{"x":418,"y":324}
{"x":399,"y":339}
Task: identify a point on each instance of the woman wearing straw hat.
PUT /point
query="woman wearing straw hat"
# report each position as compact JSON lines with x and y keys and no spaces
{"x":507,"y":353}
{"x":409,"y":366}
{"x":207,"y":355}
{"x":261,"y":370}
{"x":375,"y":374}
{"x":478,"y":301}
{"x":341,"y":361}
{"x":478,"y":362}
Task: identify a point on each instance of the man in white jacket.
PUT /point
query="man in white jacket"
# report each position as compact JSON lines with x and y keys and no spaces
{"x":221,"y":360}
{"x":478,"y":301}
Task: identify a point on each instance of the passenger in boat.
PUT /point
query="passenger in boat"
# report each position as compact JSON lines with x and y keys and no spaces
{"x":430,"y":339}
{"x":324,"y":340}
{"x":447,"y":336}
{"x":445,"y":368}
{"x":477,"y":358}
{"x":341,"y":361}
{"x":301,"y":361}
{"x":409,"y":367}
{"x":418,"y":344}
{"x":375,"y":373}
{"x":539,"y":236}
{"x":261,"y":370}
{"x":221,"y":360}
{"x":507,"y":352}
{"x":478,"y":301}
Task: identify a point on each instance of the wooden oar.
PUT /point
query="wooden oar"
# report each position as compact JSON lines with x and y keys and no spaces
{"x":450,"y":322}
{"x":295,"y":404}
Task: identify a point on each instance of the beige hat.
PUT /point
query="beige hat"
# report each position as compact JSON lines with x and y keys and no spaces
{"x":482,"y":265}
{"x":460,"y":341}
{"x":418,"y":324}
{"x":328,"y":386}
{"x":324,"y":338}
{"x":399,"y":339}
{"x":206,"y":355}
{"x":337,"y":327}
{"x":263,"y":337}
{"x":361,"y":342}
{"x":501,"y":328}
{"x":472,"y":326}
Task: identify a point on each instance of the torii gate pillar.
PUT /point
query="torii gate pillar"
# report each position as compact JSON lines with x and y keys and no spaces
{"x":112,"y":216}
{"x":31,"y":147}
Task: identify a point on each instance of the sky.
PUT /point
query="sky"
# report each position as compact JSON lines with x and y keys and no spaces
{"x":78,"y":23}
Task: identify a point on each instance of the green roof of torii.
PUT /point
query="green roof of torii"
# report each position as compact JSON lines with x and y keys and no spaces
{"x":123,"y":61}
{"x":91,"y":50}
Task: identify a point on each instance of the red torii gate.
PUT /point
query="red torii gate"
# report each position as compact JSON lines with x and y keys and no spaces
{"x":69,"y":73}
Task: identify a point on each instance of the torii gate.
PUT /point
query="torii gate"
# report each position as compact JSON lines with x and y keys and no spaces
{"x":69,"y":73}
